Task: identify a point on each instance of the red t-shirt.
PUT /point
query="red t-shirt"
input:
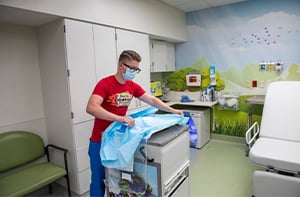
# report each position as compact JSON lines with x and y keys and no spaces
{"x":116,"y":99}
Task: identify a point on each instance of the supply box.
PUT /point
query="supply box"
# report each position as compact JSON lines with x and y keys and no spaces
{"x":229,"y":102}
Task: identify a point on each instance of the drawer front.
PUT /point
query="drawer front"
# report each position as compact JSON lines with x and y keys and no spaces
{"x":82,"y":133}
{"x":84,"y":181}
{"x":172,"y":157}
{"x":182,"y":190}
{"x":83,"y":159}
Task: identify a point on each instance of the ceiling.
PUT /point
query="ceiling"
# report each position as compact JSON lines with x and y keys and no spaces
{"x":20,"y":16}
{"x":193,"y":5}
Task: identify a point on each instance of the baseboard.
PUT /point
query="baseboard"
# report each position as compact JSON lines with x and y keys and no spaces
{"x":228,"y":138}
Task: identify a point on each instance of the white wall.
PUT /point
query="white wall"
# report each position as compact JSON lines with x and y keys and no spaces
{"x":21,"y":105}
{"x":21,"y":102}
{"x":147,"y":16}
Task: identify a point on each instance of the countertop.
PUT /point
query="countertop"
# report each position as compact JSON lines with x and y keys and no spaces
{"x":256,"y":100}
{"x":195,"y":103}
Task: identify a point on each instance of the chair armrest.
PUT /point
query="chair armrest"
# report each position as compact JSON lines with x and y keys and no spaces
{"x":252,"y":134}
{"x":58,"y":148}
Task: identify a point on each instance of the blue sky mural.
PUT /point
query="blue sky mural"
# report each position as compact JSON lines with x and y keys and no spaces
{"x":236,"y":39}
{"x":241,"y":34}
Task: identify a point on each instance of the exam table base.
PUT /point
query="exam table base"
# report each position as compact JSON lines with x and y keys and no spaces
{"x":273,"y":184}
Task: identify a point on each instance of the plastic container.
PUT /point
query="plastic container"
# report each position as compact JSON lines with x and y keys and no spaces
{"x":193,"y":133}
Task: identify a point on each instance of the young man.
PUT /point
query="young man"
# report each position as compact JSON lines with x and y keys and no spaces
{"x":109,"y":102}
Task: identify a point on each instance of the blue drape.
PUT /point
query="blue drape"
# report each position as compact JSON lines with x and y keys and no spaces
{"x":119,"y":141}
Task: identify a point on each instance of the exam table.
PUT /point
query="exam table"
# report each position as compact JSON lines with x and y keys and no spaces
{"x":275,"y":145}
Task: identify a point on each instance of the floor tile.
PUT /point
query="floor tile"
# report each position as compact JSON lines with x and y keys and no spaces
{"x":220,"y":168}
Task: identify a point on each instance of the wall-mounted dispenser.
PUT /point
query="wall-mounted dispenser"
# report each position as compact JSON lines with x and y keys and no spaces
{"x":278,"y":66}
{"x":271,"y":66}
{"x":212,"y":75}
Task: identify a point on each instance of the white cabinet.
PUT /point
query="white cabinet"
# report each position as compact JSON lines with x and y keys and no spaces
{"x":73,"y":56}
{"x":81,"y":66}
{"x":162,"y":56}
{"x":127,"y":40}
{"x":105,"y":51}
{"x":109,"y":43}
{"x":170,"y":62}
{"x":67,"y":66}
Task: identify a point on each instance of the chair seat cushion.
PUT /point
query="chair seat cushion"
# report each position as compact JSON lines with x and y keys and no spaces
{"x":30,"y":179}
{"x":275,"y":153}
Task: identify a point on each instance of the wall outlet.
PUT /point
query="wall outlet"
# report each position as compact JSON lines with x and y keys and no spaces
{"x":248,"y":84}
{"x":261,"y":84}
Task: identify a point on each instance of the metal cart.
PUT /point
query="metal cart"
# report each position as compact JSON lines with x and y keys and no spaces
{"x":157,"y":169}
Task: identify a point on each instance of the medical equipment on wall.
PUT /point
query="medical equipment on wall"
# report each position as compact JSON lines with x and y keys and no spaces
{"x":193,"y":79}
{"x":212,"y":75}
{"x":271,"y":66}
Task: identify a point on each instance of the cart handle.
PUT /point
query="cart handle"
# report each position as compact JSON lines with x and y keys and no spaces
{"x":142,"y":151}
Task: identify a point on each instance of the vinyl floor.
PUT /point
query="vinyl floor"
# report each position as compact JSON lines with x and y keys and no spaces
{"x":221,"y":169}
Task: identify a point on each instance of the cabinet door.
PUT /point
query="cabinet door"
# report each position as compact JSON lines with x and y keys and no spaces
{"x":158,"y":56}
{"x":127,"y":40}
{"x":162,"y":56}
{"x":105,"y":51}
{"x":170,"y":56}
{"x":81,"y":65}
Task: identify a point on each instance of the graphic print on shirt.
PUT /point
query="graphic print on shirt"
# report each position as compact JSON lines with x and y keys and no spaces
{"x":120,"y":99}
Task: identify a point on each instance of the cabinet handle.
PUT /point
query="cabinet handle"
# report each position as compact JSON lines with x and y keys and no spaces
{"x":152,"y":66}
{"x":142,"y":151}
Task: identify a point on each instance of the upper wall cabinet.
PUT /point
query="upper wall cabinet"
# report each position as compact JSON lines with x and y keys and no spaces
{"x":105,"y":51}
{"x":162,"y":56}
{"x":81,"y":66}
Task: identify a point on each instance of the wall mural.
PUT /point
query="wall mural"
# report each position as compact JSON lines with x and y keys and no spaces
{"x":250,"y":44}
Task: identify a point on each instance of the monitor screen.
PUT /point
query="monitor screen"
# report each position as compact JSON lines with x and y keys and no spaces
{"x":156,"y":88}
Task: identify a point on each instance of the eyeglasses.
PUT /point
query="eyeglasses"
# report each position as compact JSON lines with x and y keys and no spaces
{"x":132,"y":69}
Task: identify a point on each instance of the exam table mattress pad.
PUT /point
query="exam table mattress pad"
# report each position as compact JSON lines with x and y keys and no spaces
{"x":277,"y":154}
